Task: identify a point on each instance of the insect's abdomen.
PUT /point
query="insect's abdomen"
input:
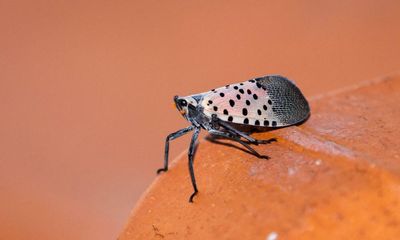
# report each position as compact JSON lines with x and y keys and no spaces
{"x":289,"y":104}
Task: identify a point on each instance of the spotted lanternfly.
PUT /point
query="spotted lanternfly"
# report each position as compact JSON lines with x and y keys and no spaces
{"x":269,"y":101}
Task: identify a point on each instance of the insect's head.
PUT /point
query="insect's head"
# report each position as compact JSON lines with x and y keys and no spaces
{"x":183,"y":104}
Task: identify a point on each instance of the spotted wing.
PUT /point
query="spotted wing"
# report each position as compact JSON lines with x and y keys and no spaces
{"x":272,"y":101}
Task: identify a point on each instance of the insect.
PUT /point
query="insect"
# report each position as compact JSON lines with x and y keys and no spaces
{"x":269,"y":101}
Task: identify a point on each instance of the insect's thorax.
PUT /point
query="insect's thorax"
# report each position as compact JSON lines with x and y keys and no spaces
{"x":197,"y":117}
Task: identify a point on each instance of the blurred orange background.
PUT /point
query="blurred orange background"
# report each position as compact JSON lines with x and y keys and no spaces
{"x":86,"y":90}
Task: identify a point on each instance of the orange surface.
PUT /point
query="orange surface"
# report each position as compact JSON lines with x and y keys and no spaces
{"x":334,"y":177}
{"x":86,"y":90}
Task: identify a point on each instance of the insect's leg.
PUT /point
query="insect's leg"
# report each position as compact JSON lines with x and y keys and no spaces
{"x":170,"y":137}
{"x":237,"y":132}
{"x":266,"y":141}
{"x":237,"y":139}
{"x":191,"y":155}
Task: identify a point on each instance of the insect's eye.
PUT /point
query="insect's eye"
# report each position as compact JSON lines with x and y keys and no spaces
{"x":183,"y":103}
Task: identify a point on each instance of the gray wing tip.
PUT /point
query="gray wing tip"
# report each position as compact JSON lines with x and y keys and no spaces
{"x":291,"y":107}
{"x":276,"y":77}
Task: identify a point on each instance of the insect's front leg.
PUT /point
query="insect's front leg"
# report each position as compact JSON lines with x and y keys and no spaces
{"x":191,"y":156}
{"x":170,"y":137}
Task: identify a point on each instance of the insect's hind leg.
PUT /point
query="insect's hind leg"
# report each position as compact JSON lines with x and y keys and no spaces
{"x":236,"y":132}
{"x":267,"y":141}
{"x":170,"y":137}
{"x":191,"y":155}
{"x":237,"y":139}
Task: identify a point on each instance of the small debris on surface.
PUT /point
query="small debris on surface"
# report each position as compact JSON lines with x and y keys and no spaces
{"x":318,"y":162}
{"x":291,"y":171}
{"x":157,"y":232}
{"x":272,"y":236}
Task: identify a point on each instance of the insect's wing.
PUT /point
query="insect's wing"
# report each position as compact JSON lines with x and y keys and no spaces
{"x":267,"y":101}
{"x":288,"y":103}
